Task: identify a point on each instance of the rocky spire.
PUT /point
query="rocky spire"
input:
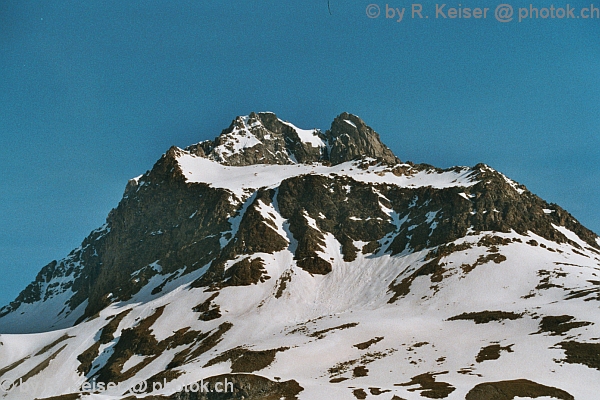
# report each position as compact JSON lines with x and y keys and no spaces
{"x":350,"y":138}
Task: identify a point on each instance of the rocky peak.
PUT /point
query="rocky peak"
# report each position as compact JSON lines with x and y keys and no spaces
{"x":263,"y":138}
{"x":350,"y":138}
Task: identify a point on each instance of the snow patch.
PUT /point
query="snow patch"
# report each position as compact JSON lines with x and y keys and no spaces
{"x":349,"y":122}
{"x":311,"y":221}
{"x":309,"y":136}
{"x":132,"y":362}
{"x":571,"y":235}
{"x":431,"y":216}
{"x":512,"y":183}
{"x":270,"y":214}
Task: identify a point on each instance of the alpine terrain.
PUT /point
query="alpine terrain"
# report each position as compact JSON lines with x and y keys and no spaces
{"x":280,"y":263}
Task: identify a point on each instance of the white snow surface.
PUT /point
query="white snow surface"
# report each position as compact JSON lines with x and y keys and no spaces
{"x":240,"y":180}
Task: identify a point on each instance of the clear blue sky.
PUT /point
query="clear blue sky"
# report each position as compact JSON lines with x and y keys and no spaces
{"x":93,"y":92}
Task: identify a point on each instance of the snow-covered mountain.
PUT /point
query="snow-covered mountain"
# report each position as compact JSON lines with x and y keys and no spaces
{"x":275,"y":262}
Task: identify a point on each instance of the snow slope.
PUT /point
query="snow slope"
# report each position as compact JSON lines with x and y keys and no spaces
{"x":417,"y":335}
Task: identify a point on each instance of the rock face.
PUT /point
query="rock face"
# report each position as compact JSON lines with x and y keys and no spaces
{"x":285,"y":237}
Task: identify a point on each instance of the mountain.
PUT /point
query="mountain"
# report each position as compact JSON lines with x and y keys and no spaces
{"x":289,"y":263}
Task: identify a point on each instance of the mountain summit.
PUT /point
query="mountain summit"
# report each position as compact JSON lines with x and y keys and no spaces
{"x":307,"y":264}
{"x":265,"y":139}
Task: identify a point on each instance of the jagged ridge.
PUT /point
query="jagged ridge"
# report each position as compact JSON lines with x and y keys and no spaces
{"x":265,"y":139}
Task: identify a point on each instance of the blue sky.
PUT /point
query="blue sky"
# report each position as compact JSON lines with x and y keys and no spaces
{"x":93,"y":92}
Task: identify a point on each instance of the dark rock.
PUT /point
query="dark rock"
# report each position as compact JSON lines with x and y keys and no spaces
{"x":483,"y":317}
{"x":587,"y":354}
{"x":492,"y":352}
{"x":559,"y":324}
{"x":508,"y":390}
{"x":429,"y":387}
